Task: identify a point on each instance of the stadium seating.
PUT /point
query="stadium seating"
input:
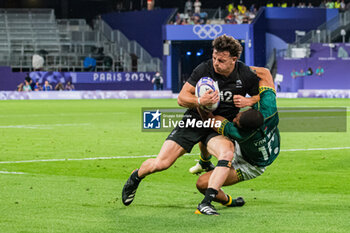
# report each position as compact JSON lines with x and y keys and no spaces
{"x":121,"y":44}
{"x":329,"y":32}
{"x":65,"y":43}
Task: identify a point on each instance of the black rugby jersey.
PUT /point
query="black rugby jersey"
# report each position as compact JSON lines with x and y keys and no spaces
{"x":241,"y":81}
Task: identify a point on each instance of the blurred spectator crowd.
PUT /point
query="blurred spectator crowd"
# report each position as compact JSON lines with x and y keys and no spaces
{"x":338,"y":4}
{"x":193,"y":14}
{"x":241,"y":13}
{"x":30,"y":85}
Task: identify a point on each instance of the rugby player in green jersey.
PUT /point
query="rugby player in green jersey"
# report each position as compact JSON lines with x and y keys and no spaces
{"x":257,"y":142}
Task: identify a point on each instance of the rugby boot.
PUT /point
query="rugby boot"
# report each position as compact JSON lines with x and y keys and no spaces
{"x":206,"y":209}
{"x":202,"y":167}
{"x":130,"y":187}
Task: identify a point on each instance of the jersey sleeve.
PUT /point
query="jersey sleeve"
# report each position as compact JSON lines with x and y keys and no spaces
{"x":267,"y":104}
{"x":197,"y":74}
{"x":229,"y":130}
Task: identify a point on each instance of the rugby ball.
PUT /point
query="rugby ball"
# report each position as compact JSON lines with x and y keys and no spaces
{"x":203,"y":85}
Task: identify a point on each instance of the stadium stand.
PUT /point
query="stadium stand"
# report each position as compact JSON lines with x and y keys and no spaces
{"x":119,"y":41}
{"x":216,"y":16}
{"x":65,"y":43}
{"x":117,"y":50}
{"x":335,"y":30}
{"x":315,"y":63}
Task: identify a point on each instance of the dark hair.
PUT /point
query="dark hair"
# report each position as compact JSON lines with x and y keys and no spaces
{"x":228,"y":43}
{"x":27,"y":78}
{"x":251,"y":119}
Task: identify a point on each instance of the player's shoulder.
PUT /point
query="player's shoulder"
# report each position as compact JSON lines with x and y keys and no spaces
{"x":241,"y":65}
{"x":205,"y":66}
{"x":204,"y":69}
{"x":245,"y":70}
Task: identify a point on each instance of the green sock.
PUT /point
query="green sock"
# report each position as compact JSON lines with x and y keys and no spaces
{"x":234,"y":202}
{"x":204,"y":161}
{"x":229,"y":202}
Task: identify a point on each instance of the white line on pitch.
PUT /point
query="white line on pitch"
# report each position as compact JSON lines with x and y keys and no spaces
{"x":147,"y":156}
{"x":311,"y":149}
{"x":62,"y":114}
{"x":41,"y":126}
{"x":17,"y":173}
{"x":311,"y":110}
{"x":318,"y":117}
{"x":82,"y":159}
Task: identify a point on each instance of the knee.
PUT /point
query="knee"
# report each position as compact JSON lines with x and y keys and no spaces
{"x":226,"y":155}
{"x":202,"y":185}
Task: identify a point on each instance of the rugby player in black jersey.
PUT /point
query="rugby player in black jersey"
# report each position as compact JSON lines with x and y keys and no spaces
{"x":257,"y":142}
{"x":234,"y":79}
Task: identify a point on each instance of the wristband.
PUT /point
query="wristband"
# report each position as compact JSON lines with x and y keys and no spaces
{"x":199,"y":101}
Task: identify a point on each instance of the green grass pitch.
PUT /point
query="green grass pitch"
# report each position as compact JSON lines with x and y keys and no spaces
{"x":302,"y":191}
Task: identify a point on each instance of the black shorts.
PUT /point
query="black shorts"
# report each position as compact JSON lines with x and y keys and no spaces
{"x":187,"y":137}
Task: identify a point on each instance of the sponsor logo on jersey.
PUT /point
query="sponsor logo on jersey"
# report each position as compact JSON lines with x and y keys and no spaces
{"x":239,"y":83}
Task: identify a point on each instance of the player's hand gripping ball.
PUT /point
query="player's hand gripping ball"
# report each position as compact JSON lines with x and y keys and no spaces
{"x":203,"y":85}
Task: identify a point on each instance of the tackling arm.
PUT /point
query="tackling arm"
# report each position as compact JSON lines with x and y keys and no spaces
{"x":242,"y":102}
{"x":265,"y":76}
{"x":266,"y":80}
{"x":206,"y":115}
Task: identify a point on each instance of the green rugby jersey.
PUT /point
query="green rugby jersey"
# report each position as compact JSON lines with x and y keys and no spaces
{"x":259,"y":147}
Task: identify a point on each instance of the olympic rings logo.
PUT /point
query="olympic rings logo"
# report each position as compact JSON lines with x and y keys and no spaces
{"x":207,"y":31}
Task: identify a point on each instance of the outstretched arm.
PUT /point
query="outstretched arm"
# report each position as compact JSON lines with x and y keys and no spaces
{"x":265,"y":76}
{"x":266,"y":80}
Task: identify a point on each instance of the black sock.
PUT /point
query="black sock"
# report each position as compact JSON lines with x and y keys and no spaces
{"x":210,"y":194}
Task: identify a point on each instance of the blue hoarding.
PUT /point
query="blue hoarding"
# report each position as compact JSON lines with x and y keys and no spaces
{"x":98,"y":80}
